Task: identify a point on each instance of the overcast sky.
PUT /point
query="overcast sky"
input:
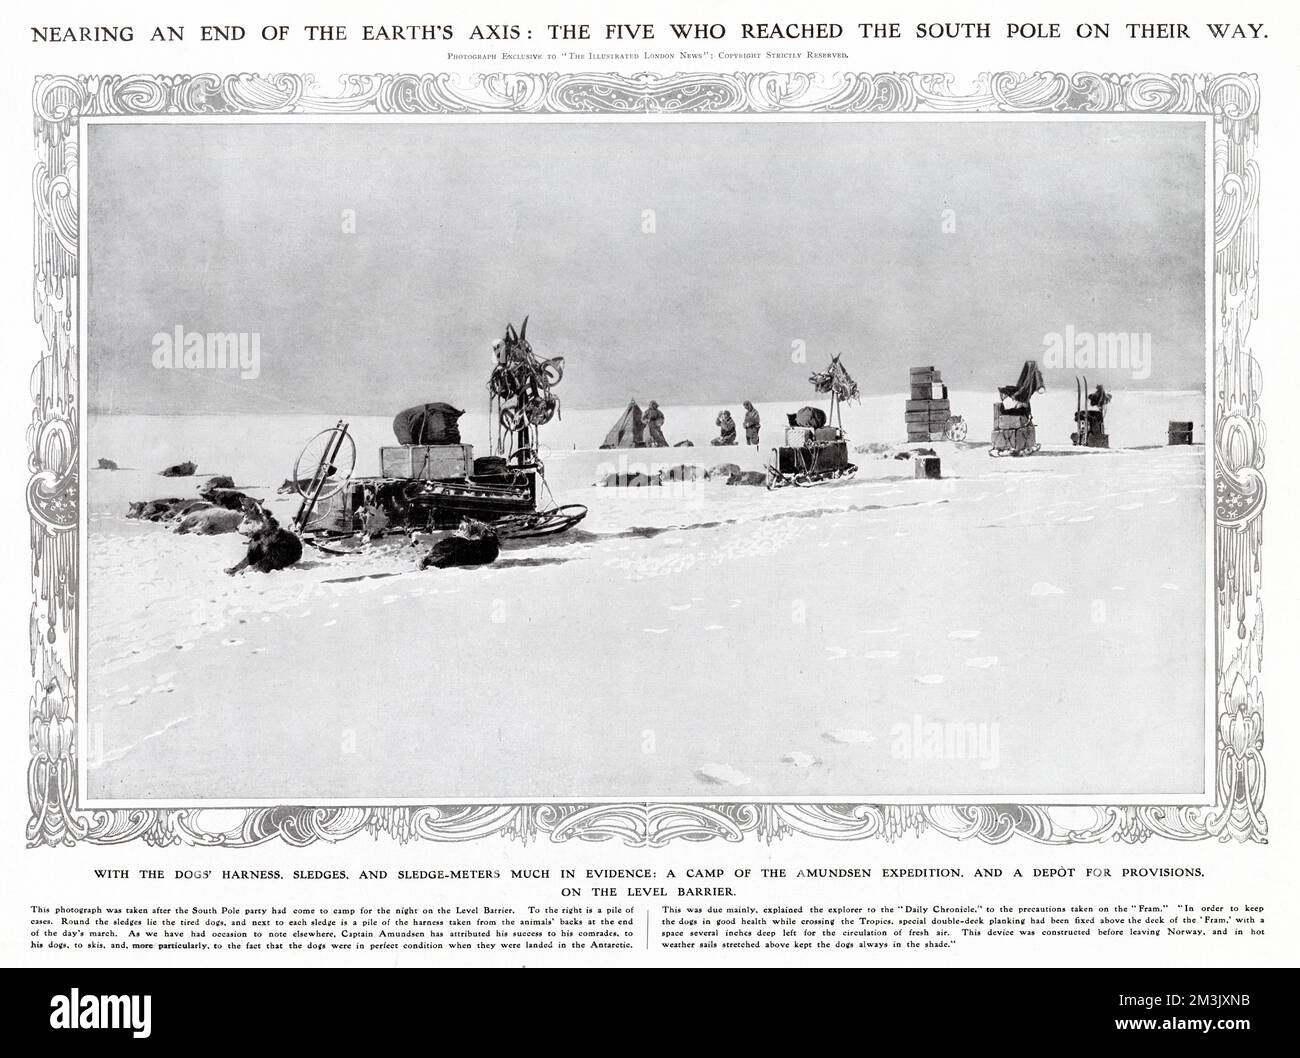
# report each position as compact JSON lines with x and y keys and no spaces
{"x":764,"y":233}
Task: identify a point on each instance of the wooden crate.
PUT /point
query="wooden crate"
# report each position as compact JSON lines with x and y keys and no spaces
{"x":926,"y":466}
{"x":426,"y":462}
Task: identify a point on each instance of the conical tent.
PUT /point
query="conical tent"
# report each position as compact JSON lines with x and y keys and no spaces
{"x":629,"y":431}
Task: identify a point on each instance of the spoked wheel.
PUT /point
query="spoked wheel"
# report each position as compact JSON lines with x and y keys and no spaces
{"x":326,"y":462}
{"x":956,"y":430}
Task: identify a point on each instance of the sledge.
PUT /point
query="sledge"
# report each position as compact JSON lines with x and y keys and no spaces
{"x":818,"y":454}
{"x":1014,"y":430}
{"x":425,"y":487}
{"x":1089,"y":416}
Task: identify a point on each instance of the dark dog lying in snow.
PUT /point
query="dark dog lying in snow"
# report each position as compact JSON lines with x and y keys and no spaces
{"x":270,"y":546}
{"x":473,"y":544}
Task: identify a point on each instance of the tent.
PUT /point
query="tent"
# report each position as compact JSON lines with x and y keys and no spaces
{"x":629,"y":431}
{"x":428,"y":424}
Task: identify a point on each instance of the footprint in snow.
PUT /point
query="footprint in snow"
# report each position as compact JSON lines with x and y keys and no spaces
{"x":713,"y":628}
{"x":850,"y":736}
{"x":723,"y":775}
{"x":800,"y":760}
{"x":231,"y":642}
{"x":982,"y":663}
{"x":930,"y":679}
{"x":655,"y":631}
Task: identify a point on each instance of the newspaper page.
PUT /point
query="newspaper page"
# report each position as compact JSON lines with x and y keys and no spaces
{"x":675,"y":485}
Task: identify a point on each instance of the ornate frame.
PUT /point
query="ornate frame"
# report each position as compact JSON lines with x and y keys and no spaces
{"x":60,"y":102}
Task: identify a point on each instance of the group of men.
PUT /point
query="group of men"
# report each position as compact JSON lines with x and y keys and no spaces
{"x":727,"y":426}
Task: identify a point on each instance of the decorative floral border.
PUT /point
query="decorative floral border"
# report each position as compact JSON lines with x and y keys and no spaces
{"x":60,"y":102}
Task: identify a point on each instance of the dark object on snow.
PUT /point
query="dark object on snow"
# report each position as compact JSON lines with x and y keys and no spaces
{"x":473,"y":544}
{"x":301,"y":485}
{"x":1014,"y":432}
{"x":654,"y":421}
{"x":684,"y":444}
{"x":107,"y":464}
{"x":1029,"y":383}
{"x":270,"y":546}
{"x":1090,"y":416}
{"x":926,"y":466}
{"x":230,"y":499}
{"x":629,"y":431}
{"x":428,"y":424}
{"x":1180,"y":432}
{"x":681,"y":472}
{"x":635,"y":480}
{"x":723,"y":470}
{"x":748,"y":477}
{"x":924,"y":452}
{"x":903,"y":455}
{"x":221,"y":481}
{"x":180,"y":470}
{"x":155,"y":510}
{"x":727,"y":427}
{"x":812,"y":463}
{"x":808,"y":416}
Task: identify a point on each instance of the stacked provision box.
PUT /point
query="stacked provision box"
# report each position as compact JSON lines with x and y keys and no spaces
{"x":928,"y":409}
{"x":1180,"y":432}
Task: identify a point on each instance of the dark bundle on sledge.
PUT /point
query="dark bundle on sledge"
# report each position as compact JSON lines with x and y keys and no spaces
{"x":836,"y":380}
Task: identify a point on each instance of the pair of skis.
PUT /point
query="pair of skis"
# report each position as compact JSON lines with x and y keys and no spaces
{"x":1080,"y":436}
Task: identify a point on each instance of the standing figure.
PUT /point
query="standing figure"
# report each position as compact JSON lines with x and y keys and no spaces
{"x":727,"y":425}
{"x":752,"y":423}
{"x":654,"y":421}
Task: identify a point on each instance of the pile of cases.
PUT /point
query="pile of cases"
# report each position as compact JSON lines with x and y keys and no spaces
{"x":928,"y":410}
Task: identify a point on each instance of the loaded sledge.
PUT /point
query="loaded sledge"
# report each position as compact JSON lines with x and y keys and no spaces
{"x":430,"y":480}
{"x":1090,"y":416}
{"x":1014,"y":432}
{"x":815,"y":451}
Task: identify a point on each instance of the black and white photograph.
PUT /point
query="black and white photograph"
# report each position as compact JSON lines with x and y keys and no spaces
{"x":729,"y":458}
{"x":547,"y":486}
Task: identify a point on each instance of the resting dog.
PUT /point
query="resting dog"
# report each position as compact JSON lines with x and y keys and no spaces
{"x":473,"y":544}
{"x":209,"y":521}
{"x":270,"y":546}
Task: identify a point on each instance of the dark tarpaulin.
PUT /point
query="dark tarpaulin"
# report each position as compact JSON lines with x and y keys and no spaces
{"x":428,"y":424}
{"x":807,"y":416}
{"x":1029,"y":383}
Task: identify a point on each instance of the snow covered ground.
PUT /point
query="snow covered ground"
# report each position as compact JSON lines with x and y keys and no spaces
{"x":1023,"y":627}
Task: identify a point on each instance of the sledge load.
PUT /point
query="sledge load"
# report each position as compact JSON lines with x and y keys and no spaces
{"x":1014,"y":433}
{"x":431,"y":480}
{"x":815,"y":452}
{"x":928,"y":414}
